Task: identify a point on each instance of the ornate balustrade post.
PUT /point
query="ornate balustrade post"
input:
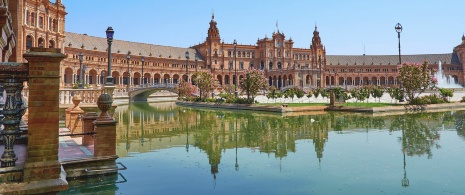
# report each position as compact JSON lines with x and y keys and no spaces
{"x":12,"y":114}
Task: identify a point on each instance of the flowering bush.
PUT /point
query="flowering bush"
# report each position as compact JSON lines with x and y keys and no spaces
{"x":415,"y":79}
{"x":185,"y":89}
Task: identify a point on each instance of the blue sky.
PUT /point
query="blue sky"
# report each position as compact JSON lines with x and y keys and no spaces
{"x":346,"y":27}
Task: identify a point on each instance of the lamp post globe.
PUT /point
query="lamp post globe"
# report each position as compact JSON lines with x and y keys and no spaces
{"x":235,"y":69}
{"x":80,"y":85}
{"x":109,"y":33}
{"x":187,"y":66}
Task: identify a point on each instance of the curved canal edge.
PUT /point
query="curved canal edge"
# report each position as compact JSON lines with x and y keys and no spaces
{"x":285,"y":109}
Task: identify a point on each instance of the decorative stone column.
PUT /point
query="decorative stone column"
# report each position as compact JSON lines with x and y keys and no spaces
{"x":42,"y":170}
{"x":87,"y":127}
{"x":105,"y":141}
{"x":75,"y":124}
{"x":12,"y":114}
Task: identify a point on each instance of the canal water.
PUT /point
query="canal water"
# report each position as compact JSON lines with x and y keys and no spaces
{"x":175,"y":150}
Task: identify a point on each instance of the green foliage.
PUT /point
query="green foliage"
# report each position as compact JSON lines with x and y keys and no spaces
{"x":299,"y":93}
{"x":428,"y":99}
{"x":316,"y":92}
{"x":310,"y":94}
{"x":324,"y":93}
{"x":252,"y":82}
{"x":205,"y":82}
{"x":185,"y":90}
{"x":377,"y":92}
{"x":272,"y":94}
{"x":446,"y":93}
{"x":415,"y":79}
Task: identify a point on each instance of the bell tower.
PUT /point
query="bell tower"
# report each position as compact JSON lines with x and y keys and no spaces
{"x":213,"y":46}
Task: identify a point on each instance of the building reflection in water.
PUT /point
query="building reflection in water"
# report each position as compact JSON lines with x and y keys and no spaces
{"x":165,"y":125}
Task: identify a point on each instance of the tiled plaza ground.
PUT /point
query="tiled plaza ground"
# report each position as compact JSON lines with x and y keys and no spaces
{"x":71,"y":148}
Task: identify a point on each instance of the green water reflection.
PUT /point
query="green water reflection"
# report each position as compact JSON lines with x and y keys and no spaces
{"x":176,"y":150}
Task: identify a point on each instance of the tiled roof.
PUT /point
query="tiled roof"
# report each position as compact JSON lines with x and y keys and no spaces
{"x":449,"y":58}
{"x":100,"y":44}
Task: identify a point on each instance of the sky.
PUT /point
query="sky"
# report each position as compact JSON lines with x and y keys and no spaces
{"x":347,"y":27}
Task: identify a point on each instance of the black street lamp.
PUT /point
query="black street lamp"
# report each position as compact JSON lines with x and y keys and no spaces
{"x":143,"y":78}
{"x":187,"y":66}
{"x":398,"y":28}
{"x":128,"y":57}
{"x":235,"y":68}
{"x":109,"y":32}
{"x":80,"y":86}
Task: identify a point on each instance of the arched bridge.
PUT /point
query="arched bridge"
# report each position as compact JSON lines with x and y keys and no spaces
{"x":142,"y":92}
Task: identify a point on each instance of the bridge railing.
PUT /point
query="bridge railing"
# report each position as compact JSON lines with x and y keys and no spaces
{"x":154,"y":85}
{"x":87,"y":95}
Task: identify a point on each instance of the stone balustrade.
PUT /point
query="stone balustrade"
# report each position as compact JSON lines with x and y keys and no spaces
{"x":88,"y":95}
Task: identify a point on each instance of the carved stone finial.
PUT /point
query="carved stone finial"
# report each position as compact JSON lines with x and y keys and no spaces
{"x":76,"y":100}
{"x":104,"y":103}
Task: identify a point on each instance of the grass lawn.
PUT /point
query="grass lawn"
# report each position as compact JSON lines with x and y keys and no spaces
{"x":358,"y":104}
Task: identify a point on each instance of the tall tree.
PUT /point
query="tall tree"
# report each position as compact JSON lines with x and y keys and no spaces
{"x":205,"y":82}
{"x":415,"y":79}
{"x":252,"y":82}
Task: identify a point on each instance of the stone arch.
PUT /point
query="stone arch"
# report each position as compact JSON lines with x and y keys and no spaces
{"x":374,"y":81}
{"x":115,"y":75}
{"x":226,"y":79}
{"x":309,"y":80}
{"x":166,"y":78}
{"x":29,"y":42}
{"x":136,"y":78}
{"x":340,"y":81}
{"x":284,"y":81}
{"x":146,"y":78}
{"x":157,"y":78}
{"x":126,"y":77}
{"x":291,"y":79}
{"x":390,"y":80}
{"x":382,"y":80}
{"x":92,"y":76}
{"x":68,"y":76}
{"x":176,"y":78}
{"x":41,"y":42}
{"x":51,"y":43}
{"x":220,"y":79}
{"x":365,"y":81}
{"x":349,"y":81}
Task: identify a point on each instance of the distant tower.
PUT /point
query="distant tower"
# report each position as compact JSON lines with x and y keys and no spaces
{"x":213,"y":46}
{"x":318,"y":56}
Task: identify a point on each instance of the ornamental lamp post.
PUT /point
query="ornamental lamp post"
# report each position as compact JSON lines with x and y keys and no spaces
{"x":110,"y":33}
{"x":235,"y":68}
{"x":128,"y":57}
{"x":143,"y":77}
{"x":187,"y":66}
{"x":80,"y":86}
{"x":398,"y":29}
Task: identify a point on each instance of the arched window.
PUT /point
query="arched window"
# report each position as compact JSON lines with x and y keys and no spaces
{"x":51,"y":44}
{"x":28,"y":42}
{"x":33,"y":19}
{"x":41,"y":43}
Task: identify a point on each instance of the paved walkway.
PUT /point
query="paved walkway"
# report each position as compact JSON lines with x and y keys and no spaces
{"x":71,"y":148}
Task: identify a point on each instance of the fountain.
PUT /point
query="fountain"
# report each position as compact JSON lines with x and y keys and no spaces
{"x":445,"y":81}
